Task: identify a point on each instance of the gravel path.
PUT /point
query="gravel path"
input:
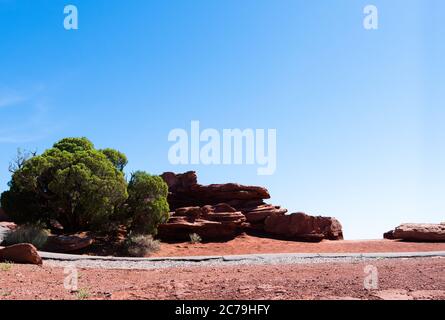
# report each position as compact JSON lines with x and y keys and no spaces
{"x":57,"y":260}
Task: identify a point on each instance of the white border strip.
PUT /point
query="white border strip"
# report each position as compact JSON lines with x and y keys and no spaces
{"x":377,"y":255}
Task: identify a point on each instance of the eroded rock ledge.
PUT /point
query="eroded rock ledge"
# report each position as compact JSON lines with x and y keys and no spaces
{"x":418,"y":232}
{"x":223,"y":211}
{"x":300,"y":226}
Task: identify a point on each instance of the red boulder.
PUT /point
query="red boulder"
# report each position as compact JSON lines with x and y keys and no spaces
{"x":21,"y":253}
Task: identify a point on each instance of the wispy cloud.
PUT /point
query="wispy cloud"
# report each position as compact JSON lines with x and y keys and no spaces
{"x":30,"y":123}
{"x":20,"y":139}
{"x":7,"y":100}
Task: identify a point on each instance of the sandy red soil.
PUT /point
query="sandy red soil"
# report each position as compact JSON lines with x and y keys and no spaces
{"x":397,"y":279}
{"x":247,"y":244}
{"x":421,"y":278}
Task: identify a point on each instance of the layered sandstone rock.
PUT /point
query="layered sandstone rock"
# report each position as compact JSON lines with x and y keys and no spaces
{"x":216,"y":211}
{"x":420,"y":232}
{"x":222,"y":211}
{"x":21,"y":253}
{"x":218,"y":222}
{"x":300,"y":226}
{"x":184,"y":191}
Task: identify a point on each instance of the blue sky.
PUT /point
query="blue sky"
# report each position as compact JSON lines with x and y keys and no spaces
{"x":359,"y":114}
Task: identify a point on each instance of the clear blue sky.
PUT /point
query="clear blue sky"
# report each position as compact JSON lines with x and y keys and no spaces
{"x":359,"y":114}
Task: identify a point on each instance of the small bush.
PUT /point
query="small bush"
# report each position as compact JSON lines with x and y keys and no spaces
{"x":83,"y":294}
{"x":5,"y":266}
{"x":140,"y":245}
{"x":6,"y":293}
{"x":195,"y":238}
{"x":29,"y":233}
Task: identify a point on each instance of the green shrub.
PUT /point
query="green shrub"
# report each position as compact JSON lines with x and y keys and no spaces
{"x":33,"y":234}
{"x":138,"y":245}
{"x":73,"y":183}
{"x":118,"y":159}
{"x":195,"y":238}
{"x":84,"y":189}
{"x":83,"y":294}
{"x":5,"y":266}
{"x":147,"y":204}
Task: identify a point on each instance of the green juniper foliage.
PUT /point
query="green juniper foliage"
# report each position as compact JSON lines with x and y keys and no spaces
{"x":72,"y":182}
{"x":84,"y":189}
{"x":118,"y":159}
{"x":147,"y":202}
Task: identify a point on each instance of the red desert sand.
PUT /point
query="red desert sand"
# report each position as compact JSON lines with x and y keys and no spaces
{"x":397,"y":279}
{"x":407,"y":278}
{"x":249,"y":245}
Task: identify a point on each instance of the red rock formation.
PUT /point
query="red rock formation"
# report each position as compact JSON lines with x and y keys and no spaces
{"x":218,"y":222}
{"x":216,"y":211}
{"x":184,"y":191}
{"x":300,"y":226}
{"x":222,"y":211}
{"x":389,"y":235}
{"x":420,"y":232}
{"x":21,"y":253}
{"x":68,"y":243}
{"x":256,"y":216}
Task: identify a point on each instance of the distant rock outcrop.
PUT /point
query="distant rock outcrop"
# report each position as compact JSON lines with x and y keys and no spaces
{"x":222,"y":211}
{"x":389,"y":235}
{"x":418,"y":232}
{"x":300,"y":226}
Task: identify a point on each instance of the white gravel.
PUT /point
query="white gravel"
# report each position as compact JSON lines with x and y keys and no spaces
{"x":273,"y":259}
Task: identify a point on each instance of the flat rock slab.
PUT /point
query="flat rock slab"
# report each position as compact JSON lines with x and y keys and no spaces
{"x":420,"y":232}
{"x":69,"y":243}
{"x":401,"y":294}
{"x":393,"y":294}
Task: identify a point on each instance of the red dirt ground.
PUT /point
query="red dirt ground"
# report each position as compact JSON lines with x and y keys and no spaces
{"x":245,"y":244}
{"x":397,"y":279}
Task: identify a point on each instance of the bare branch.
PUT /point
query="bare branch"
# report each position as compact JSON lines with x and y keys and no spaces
{"x":20,"y":159}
